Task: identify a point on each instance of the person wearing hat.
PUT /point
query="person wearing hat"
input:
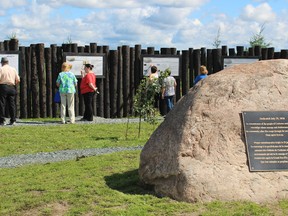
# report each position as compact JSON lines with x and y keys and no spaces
{"x":9,"y":78}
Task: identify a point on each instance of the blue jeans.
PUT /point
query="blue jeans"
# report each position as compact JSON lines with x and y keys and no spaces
{"x":169,"y":102}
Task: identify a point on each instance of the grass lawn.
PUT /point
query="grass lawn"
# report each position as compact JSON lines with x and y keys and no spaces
{"x":98,"y":185}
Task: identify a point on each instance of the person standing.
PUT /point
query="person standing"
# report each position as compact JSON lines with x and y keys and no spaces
{"x":168,"y":90}
{"x":203,"y":74}
{"x":9,"y":78}
{"x":67,"y":82}
{"x":88,"y":89}
{"x":154,"y":89}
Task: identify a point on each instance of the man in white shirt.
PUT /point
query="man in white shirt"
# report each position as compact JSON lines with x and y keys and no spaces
{"x":9,"y":78}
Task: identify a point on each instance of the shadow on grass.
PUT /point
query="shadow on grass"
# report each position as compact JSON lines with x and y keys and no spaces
{"x":128,"y":183}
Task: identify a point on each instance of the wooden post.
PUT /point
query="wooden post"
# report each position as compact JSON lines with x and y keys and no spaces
{"x":49,"y":88}
{"x":284,"y":54}
{"x":240,"y":50}
{"x":137,"y":66}
{"x":93,"y":47}
{"x":42,"y":79}
{"x":217,"y":60}
{"x":81,"y":49}
{"x":2,"y":48}
{"x":13,"y":45}
{"x":257,"y":51}
{"x":28,"y":76}
{"x":23,"y":84}
{"x":270,"y":53}
{"x":120,"y":84}
{"x":232,"y":52}
{"x":173,"y":51}
{"x":191,"y":70}
{"x":150,"y":50}
{"x":224,"y":51}
{"x":99,"y":49}
{"x":209,"y":61}
{"x":196,"y":61}
{"x":184,"y":72}
{"x":264,"y":53}
{"x":126,"y":79}
{"x":106,"y":84}
{"x":54,"y":68}
{"x":113,"y":63}
{"x":132,"y":78}
{"x":95,"y":104}
{"x":203,"y":56}
{"x":101,"y":88}
{"x":87,"y":49}
{"x":6,"y":45}
{"x":34,"y":83}
{"x":74,"y":48}
{"x":251,"y":52}
{"x":277,"y":55}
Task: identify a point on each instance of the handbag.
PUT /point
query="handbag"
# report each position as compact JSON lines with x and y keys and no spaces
{"x":57,"y":98}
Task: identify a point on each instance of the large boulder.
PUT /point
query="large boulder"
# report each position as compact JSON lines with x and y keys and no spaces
{"x":199,"y":152}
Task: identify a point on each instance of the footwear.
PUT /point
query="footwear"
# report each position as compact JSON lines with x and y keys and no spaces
{"x":83,"y":119}
{"x":12,"y":123}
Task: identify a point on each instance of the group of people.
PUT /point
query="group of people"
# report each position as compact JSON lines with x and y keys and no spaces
{"x":67,"y":83}
{"x":169,"y":85}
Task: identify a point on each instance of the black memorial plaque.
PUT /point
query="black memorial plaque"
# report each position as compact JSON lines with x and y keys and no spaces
{"x":266,"y":135}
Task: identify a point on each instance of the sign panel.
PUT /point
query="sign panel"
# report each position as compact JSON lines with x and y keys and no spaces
{"x":13,"y":58}
{"x":78,"y":61}
{"x":230,"y":61}
{"x":266,"y":135}
{"x":162,"y":63}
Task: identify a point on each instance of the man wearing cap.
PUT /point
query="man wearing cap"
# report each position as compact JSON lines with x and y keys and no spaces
{"x":8,"y":80}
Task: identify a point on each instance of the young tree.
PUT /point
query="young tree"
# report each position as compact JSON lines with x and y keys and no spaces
{"x":217,"y":42}
{"x":258,"y":39}
{"x":143,"y":103}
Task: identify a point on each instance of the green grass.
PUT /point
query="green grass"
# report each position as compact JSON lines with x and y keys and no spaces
{"x":98,"y":185}
{"x":33,"y":139}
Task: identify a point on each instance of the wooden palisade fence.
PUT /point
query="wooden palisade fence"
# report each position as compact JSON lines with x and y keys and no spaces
{"x":40,"y":67}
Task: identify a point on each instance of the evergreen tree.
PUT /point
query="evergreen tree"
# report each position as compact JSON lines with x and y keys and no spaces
{"x":258,"y":39}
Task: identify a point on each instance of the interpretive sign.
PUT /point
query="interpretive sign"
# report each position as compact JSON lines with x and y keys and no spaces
{"x":266,"y":135}
{"x":162,"y":62}
{"x":13,"y":58}
{"x":78,"y":61}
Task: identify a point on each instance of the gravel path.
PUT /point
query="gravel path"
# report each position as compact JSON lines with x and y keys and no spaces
{"x":49,"y":157}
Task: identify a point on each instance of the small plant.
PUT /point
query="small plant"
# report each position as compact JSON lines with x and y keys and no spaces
{"x":69,"y":40}
{"x":258,"y":39}
{"x":144,"y":98}
{"x":217,"y":42}
{"x":12,"y":36}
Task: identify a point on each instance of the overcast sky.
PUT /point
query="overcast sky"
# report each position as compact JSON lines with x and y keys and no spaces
{"x":152,"y":23}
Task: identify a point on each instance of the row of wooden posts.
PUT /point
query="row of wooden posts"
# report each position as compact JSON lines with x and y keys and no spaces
{"x":40,"y":66}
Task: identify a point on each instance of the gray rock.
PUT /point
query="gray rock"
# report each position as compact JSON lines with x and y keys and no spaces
{"x":198,"y":154}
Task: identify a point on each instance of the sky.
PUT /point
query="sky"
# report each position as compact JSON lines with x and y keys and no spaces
{"x":182,"y":24}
